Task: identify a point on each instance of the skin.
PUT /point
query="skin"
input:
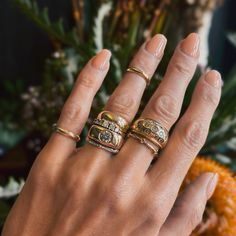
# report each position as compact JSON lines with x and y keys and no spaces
{"x":89,"y":191}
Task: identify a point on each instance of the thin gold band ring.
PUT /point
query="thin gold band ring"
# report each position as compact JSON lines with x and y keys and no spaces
{"x":154,"y":149}
{"x":66,"y":133}
{"x":140,"y":73}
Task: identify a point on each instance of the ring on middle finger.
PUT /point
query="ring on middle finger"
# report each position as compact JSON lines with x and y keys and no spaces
{"x":108,"y":131}
{"x":140,"y":73}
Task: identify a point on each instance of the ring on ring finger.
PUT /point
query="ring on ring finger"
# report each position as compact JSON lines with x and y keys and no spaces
{"x":149,"y":132}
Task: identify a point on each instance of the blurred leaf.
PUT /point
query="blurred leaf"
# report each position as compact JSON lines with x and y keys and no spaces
{"x":232,"y":38}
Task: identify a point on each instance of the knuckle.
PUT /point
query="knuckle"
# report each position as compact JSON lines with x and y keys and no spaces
{"x":166,"y":107}
{"x":181,"y":68}
{"x":195,"y":217}
{"x":144,"y":62}
{"x":87,"y":81}
{"x":72,"y":111}
{"x":210,"y":96}
{"x":193,"y":135}
{"x":123,"y":104}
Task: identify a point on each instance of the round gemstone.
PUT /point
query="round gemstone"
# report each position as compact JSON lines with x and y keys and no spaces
{"x":105,"y":136}
{"x":112,"y":127}
{"x":154,"y":129}
{"x":105,"y":123}
{"x":161,"y":134}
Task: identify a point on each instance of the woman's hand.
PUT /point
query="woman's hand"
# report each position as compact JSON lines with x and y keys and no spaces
{"x":89,"y":191}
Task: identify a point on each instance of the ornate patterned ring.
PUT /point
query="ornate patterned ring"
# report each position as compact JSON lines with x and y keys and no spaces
{"x":152,"y":130}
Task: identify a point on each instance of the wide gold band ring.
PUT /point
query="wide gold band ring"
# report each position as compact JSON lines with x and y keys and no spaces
{"x":112,"y":117}
{"x":66,"y":133}
{"x":105,"y":138}
{"x":140,"y":73}
{"x":108,"y":131}
{"x":149,"y":132}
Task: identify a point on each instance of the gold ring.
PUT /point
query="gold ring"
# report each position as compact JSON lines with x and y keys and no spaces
{"x":150,"y":130}
{"x":154,"y":149}
{"x":105,"y":138}
{"x":112,"y":117}
{"x":108,"y":131}
{"x":140,"y":73}
{"x":110,"y":125}
{"x":66,"y":133}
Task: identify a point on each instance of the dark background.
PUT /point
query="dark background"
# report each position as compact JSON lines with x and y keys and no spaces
{"x":23,"y":47}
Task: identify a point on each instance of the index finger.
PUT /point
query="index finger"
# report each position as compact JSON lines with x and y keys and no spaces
{"x":77,"y":107}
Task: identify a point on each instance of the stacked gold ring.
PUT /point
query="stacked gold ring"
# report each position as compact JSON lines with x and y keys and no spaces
{"x":108,"y":131}
{"x":149,"y":132}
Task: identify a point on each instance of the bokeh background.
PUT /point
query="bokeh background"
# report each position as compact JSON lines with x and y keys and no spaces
{"x":45,"y":43}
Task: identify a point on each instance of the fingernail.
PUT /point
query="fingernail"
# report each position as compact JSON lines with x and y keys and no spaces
{"x":213,"y":179}
{"x":101,"y":60}
{"x":213,"y":78}
{"x":190,"y":45}
{"x":156,"y":45}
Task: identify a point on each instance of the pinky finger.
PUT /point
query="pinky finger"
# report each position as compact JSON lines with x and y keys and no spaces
{"x":189,"y":207}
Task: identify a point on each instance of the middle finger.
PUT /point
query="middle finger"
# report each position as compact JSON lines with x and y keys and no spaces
{"x":126,"y":98}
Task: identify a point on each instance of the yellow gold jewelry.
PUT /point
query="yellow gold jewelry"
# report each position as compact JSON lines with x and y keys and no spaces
{"x":105,"y":138}
{"x":115,"y":119}
{"x":140,"y":73}
{"x":108,"y":131}
{"x":154,"y":149}
{"x":66,"y":133}
{"x":110,"y":125}
{"x":152,"y":130}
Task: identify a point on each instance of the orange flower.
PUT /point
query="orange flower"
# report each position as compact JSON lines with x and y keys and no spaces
{"x":220,"y":215}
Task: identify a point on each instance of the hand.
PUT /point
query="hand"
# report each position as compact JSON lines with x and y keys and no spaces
{"x":89,"y":191}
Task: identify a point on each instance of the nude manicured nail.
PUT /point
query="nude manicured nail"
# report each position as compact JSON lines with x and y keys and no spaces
{"x":156,"y":45}
{"x":190,"y":45}
{"x":101,"y":60}
{"x":213,"y":78}
{"x":212,"y":182}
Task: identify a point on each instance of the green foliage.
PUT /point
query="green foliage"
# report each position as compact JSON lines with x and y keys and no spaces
{"x":121,"y":30}
{"x":232,"y":38}
{"x":55,"y":30}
